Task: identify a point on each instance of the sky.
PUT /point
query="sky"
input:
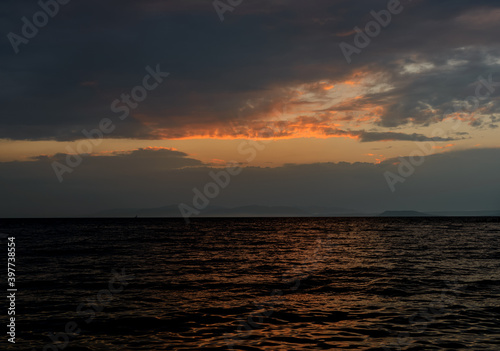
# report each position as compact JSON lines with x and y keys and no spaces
{"x":367,"y":105}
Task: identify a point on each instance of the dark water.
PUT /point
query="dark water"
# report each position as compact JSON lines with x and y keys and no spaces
{"x":257,"y":284}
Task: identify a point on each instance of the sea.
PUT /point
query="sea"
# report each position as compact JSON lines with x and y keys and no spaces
{"x":253,"y":284}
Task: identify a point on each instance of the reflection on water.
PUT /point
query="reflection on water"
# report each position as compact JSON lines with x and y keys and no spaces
{"x":263,"y":284}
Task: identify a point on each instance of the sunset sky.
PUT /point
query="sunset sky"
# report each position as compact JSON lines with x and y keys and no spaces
{"x":268,"y":87}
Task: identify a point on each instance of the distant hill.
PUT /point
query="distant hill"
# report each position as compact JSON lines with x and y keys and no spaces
{"x":467,"y":213}
{"x":240,"y":211}
{"x":256,"y":211}
{"x":165,"y":211}
{"x":441,"y":214}
{"x":172,"y":211}
{"x":404,"y":214}
{"x":322,"y":211}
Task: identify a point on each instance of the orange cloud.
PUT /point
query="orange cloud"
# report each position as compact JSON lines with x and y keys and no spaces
{"x":306,"y":110}
{"x":443,"y":147}
{"x":321,"y":126}
{"x":346,"y":34}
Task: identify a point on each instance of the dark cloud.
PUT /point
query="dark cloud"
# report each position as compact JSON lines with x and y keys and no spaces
{"x":387,"y":136}
{"x":147,"y":178}
{"x":216,"y":67}
{"x":131,"y":162}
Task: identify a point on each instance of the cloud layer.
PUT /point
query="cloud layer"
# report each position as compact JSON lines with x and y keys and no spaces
{"x":147,"y":178}
{"x":265,"y":57}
